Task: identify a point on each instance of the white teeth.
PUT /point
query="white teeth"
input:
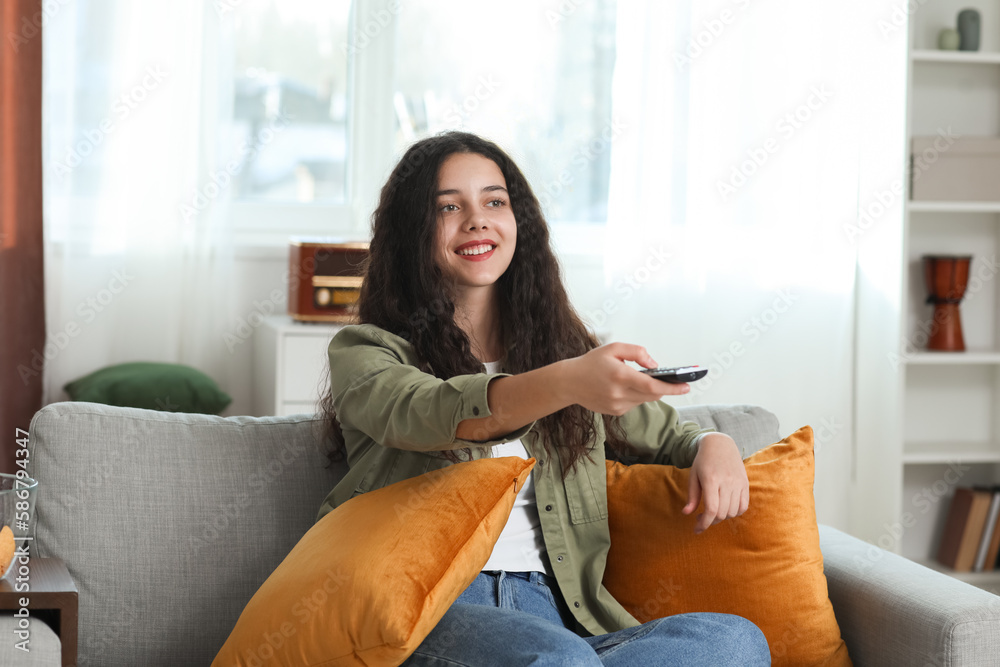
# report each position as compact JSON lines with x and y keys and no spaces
{"x":476,"y":250}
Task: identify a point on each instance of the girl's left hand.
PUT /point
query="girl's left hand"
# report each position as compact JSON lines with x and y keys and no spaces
{"x":718,"y":477}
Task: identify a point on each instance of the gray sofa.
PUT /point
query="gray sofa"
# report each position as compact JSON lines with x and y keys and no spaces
{"x":170,"y":522}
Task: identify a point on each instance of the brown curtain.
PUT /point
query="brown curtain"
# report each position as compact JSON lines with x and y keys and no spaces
{"x":22,"y":289}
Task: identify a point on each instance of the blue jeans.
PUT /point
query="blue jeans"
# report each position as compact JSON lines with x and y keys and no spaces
{"x":511,"y":619}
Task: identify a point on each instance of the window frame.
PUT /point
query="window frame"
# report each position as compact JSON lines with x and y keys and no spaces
{"x":369,"y":147}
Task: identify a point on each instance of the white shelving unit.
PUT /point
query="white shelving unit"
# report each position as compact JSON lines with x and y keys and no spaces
{"x":962,"y":57}
{"x":932,"y":421}
{"x":970,"y":357}
{"x":953,"y":207}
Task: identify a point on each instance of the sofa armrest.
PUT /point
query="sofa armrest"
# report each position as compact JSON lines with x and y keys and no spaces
{"x":45,"y":586}
{"x":42,"y":648}
{"x":893,"y":611}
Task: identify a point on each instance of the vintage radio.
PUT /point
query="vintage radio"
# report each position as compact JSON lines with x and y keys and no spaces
{"x":324,"y":279}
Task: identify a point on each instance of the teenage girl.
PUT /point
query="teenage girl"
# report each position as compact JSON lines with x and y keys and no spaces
{"x":468,"y":347}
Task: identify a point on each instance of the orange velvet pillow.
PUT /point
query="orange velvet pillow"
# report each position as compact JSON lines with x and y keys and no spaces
{"x":765,"y":565}
{"x":370,"y":579}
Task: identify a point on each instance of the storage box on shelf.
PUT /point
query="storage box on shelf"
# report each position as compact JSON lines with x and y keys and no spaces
{"x":927,"y":425}
{"x":950,"y":168}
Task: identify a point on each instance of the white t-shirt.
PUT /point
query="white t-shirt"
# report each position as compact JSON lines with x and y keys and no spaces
{"x":520,"y":547}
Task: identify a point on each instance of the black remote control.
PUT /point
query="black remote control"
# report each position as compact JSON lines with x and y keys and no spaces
{"x":678,"y":374}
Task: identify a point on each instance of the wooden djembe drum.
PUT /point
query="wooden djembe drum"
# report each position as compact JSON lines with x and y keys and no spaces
{"x":946,"y":276}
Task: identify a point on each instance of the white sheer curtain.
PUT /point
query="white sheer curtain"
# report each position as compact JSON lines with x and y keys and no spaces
{"x":731,"y":182}
{"x":138,"y":256}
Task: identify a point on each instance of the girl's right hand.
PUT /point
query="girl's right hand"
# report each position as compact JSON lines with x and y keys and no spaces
{"x":601,"y":382}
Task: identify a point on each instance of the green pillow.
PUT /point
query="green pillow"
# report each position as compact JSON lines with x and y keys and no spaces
{"x":153,"y":386}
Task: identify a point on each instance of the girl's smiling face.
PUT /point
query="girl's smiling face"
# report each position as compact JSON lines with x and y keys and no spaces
{"x":476,"y":231}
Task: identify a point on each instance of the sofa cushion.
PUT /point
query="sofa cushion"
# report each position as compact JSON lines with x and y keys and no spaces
{"x":367,"y":583}
{"x":765,"y":565}
{"x":169,"y":522}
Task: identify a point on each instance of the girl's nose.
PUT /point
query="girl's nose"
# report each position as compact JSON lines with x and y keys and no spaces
{"x":477,"y":222}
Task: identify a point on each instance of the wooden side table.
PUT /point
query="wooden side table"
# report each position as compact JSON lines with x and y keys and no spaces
{"x":52,"y":598}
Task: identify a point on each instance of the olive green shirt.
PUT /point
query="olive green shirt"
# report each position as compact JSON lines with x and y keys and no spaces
{"x":397,"y":419}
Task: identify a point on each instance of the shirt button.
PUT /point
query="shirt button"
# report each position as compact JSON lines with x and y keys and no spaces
{"x":475,"y":410}
{"x":559,"y":558}
{"x":548,"y":508}
{"x":576,"y":604}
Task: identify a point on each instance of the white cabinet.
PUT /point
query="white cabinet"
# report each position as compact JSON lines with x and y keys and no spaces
{"x":930,"y":421}
{"x":290,"y":365}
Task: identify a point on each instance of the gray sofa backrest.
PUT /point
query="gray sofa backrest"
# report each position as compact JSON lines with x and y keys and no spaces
{"x":752,"y":427}
{"x":170,"y":522}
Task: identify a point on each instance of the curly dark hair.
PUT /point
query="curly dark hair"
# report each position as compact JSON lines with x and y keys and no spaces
{"x":406,"y":293}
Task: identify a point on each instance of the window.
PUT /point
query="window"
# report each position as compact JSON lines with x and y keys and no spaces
{"x":290,"y":100}
{"x":535,"y":77}
{"x":320,"y":96}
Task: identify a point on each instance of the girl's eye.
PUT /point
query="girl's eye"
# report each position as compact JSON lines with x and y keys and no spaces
{"x":497,"y":203}
{"x":448,"y":208}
